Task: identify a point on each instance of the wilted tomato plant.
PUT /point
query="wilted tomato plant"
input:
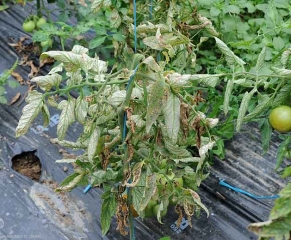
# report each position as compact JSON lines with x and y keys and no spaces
{"x":146,"y":126}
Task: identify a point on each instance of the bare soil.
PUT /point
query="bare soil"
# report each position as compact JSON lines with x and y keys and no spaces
{"x":28,"y":165}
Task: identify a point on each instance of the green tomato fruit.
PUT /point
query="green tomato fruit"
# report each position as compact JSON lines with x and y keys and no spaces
{"x":40,"y":22}
{"x":149,"y":208}
{"x":46,"y":44}
{"x":280,"y":119}
{"x":156,"y":210}
{"x":163,"y":164}
{"x":28,"y":26}
{"x":178,"y":181}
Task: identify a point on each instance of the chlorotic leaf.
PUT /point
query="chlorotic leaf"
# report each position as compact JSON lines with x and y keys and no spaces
{"x":70,"y":182}
{"x":81,"y":109}
{"x":230,"y":57}
{"x":51,"y":101}
{"x":30,"y":111}
{"x":67,"y":117}
{"x":139,"y":190}
{"x":229,"y":88}
{"x":197,"y":200}
{"x":149,"y":191}
{"x":70,"y":144}
{"x":150,"y":61}
{"x":48,"y":81}
{"x":282,"y":71}
{"x":243,"y":108}
{"x":156,"y":100}
{"x":261,"y":59}
{"x":171,"y":112}
{"x":93,"y":142}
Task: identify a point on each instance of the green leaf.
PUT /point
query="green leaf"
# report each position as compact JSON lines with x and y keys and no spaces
{"x":280,"y":151}
{"x":243,"y":109}
{"x":286,"y":172}
{"x":67,"y":117}
{"x":45,"y":116}
{"x":108,"y":210}
{"x":103,"y":176}
{"x":155,"y":103}
{"x":228,"y":90}
{"x":282,"y":206}
{"x":277,"y":228}
{"x":81,"y":109}
{"x":232,"y":9}
{"x":282,"y":96}
{"x":278,"y":43}
{"x":230,"y":57}
{"x":93,"y":142}
{"x":3,"y":99}
{"x":261,"y":59}
{"x":48,"y":81}
{"x":266,"y":132}
{"x":30,"y":111}
{"x":171,"y":112}
{"x":2,"y":90}
{"x":96,"y":42}
{"x":165,"y":238}
{"x":263,"y":105}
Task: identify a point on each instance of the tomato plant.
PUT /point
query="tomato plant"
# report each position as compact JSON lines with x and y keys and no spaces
{"x":153,"y":117}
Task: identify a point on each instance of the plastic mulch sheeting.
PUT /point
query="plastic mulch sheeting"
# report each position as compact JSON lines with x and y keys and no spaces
{"x":30,"y":209}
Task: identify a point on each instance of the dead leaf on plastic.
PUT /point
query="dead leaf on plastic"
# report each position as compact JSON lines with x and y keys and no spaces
{"x":46,"y":61}
{"x":15,"y":98}
{"x":34,"y":70}
{"x":17,"y":77}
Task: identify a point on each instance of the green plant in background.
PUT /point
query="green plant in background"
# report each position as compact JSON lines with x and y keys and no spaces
{"x":184,"y":93}
{"x":4,"y":79}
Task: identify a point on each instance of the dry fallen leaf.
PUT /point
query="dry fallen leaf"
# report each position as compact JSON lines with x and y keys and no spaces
{"x":46,"y":61}
{"x":17,"y":77}
{"x":34,"y":70}
{"x":15,"y":98}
